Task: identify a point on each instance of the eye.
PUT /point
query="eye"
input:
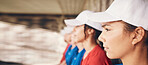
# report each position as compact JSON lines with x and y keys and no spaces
{"x":78,"y":26}
{"x":107,"y":29}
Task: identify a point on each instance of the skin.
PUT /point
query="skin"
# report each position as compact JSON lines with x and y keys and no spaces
{"x":79,"y":45}
{"x":128,"y":46}
{"x":88,"y":40}
{"x":67,"y":38}
{"x":78,"y":35}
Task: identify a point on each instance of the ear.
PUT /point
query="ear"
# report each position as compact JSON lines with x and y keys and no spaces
{"x":138,"y":35}
{"x":90,"y":31}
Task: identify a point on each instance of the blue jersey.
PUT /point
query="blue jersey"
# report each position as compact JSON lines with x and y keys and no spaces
{"x":118,"y":64}
{"x":70,"y":54}
{"x":77,"y":60}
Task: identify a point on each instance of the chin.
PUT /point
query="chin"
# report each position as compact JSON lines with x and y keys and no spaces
{"x":112,"y":56}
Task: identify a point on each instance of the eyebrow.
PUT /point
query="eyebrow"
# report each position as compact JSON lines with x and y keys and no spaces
{"x":105,"y":25}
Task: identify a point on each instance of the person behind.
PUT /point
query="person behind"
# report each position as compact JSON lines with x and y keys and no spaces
{"x":87,"y":32}
{"x":71,"y":49}
{"x":125,"y":31}
{"x":78,"y":58}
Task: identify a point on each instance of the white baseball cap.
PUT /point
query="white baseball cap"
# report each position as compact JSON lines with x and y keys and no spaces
{"x":66,"y":30}
{"x":81,"y":19}
{"x":134,"y":12}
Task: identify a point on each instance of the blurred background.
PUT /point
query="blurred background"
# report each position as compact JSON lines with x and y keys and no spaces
{"x":30,"y":29}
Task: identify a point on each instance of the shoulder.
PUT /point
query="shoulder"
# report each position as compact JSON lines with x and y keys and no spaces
{"x":98,"y":54}
{"x":98,"y":57}
{"x":97,"y":51}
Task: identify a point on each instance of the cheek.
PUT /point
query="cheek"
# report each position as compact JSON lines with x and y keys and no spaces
{"x":113,"y":41}
{"x":118,"y":45}
{"x":67,"y":39}
{"x":79,"y":36}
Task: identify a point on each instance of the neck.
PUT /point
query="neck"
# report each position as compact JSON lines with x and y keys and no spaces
{"x":73,"y":46}
{"x":89,"y":44}
{"x":138,"y":56}
{"x":80,"y":46}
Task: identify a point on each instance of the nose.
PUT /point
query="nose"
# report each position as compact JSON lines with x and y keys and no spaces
{"x":101,"y":38}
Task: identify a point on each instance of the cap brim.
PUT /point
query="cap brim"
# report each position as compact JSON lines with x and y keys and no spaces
{"x":67,"y":29}
{"x":73,"y":22}
{"x":102,"y":17}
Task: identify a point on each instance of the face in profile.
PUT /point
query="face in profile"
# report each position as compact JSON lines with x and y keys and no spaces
{"x":116,"y":41}
{"x":67,"y":38}
{"x":78,"y":34}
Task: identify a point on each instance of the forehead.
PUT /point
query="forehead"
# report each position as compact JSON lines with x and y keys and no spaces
{"x":79,"y":26}
{"x":116,"y":24}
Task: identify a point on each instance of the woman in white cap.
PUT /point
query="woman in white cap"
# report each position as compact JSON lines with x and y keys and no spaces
{"x":125,"y":31}
{"x":87,"y":32}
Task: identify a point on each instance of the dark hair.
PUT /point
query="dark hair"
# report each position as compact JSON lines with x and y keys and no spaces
{"x":131,"y":28}
{"x":146,"y":38}
{"x":97,"y":34}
